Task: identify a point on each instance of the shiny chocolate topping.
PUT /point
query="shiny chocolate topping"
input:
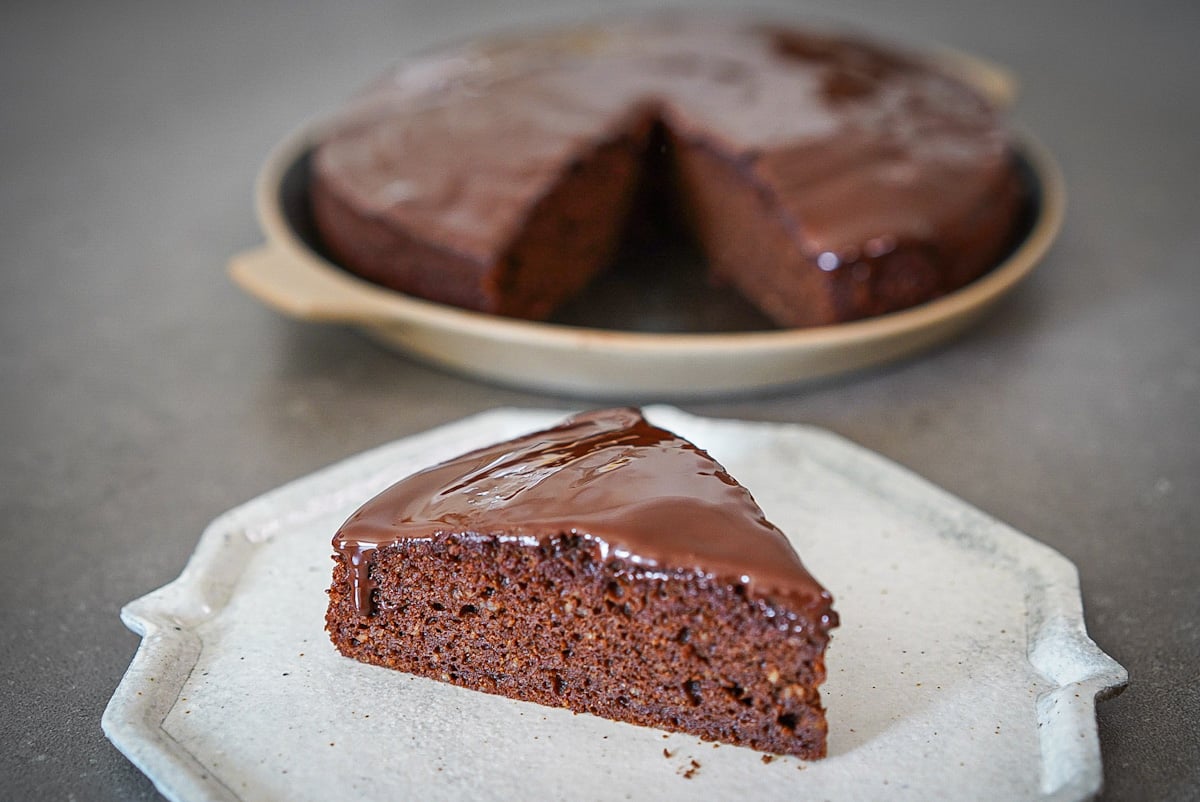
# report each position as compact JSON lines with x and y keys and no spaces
{"x":862,"y":144}
{"x":645,"y":496}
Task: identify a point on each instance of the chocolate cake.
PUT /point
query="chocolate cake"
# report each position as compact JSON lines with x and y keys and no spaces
{"x":605,"y":565}
{"x":825,"y":178}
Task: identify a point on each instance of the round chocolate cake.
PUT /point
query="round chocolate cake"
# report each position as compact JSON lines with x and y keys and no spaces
{"x":825,"y":178}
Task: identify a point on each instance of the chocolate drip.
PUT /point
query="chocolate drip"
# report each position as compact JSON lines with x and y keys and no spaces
{"x":360,"y":579}
{"x":645,"y":496}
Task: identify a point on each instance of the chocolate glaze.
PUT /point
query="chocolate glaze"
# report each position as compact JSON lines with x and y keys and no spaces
{"x":645,"y":496}
{"x":862,"y":146}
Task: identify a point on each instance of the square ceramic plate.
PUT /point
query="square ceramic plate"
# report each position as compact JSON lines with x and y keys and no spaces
{"x":961,"y":670}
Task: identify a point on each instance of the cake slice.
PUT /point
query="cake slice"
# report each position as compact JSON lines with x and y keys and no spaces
{"x":605,"y":565}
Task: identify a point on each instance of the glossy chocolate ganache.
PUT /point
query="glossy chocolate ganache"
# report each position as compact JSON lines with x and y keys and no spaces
{"x":642,"y":494}
{"x":824,"y":177}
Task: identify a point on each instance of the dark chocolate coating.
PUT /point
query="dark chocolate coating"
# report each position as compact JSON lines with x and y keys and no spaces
{"x":645,"y":495}
{"x":868,"y":179}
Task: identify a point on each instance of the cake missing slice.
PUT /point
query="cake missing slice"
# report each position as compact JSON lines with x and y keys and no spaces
{"x":605,"y":565}
{"x":824,"y":178}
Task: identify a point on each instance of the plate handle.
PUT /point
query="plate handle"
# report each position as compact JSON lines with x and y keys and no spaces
{"x":300,"y":289}
{"x":996,"y":83}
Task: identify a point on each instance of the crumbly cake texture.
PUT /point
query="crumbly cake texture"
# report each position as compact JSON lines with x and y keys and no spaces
{"x":825,"y":178}
{"x":606,"y":566}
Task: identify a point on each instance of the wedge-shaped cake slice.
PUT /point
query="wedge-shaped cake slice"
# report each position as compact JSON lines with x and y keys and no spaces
{"x":607,"y":566}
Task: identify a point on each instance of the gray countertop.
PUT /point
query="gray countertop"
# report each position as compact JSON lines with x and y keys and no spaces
{"x":142,"y":394}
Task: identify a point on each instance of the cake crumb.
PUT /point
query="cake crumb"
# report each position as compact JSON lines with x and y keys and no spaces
{"x":667,"y":753}
{"x":767,"y":758}
{"x":692,"y":770}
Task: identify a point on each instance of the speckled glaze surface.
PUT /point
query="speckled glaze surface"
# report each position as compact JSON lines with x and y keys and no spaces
{"x":962,"y":668}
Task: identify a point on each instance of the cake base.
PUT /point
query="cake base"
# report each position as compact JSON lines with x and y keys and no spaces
{"x":557,"y":623}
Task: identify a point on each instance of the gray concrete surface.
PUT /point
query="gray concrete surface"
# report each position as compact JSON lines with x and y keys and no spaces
{"x":141,"y":394}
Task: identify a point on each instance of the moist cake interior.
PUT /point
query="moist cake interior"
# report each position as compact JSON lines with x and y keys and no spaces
{"x":656,"y":278}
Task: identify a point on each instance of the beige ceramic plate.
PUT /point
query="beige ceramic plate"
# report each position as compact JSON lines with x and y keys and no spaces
{"x":289,"y":275}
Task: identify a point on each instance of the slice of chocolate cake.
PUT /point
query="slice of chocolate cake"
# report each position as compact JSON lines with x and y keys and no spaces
{"x":605,"y":565}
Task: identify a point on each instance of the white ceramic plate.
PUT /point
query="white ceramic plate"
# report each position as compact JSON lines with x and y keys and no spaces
{"x":289,"y":275}
{"x":961,"y":670}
